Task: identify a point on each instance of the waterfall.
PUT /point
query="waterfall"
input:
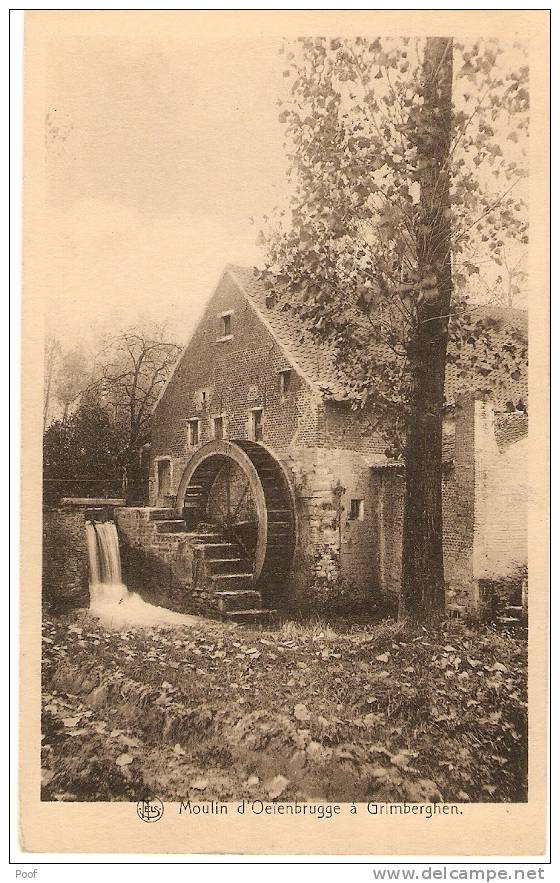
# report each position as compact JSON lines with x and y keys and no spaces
{"x":109,"y":598}
{"x":91,"y":536}
{"x":105,"y":577}
{"x":110,"y":555}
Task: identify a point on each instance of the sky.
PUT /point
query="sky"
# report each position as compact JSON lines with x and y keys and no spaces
{"x":158,"y":154}
{"x":159,"y":150}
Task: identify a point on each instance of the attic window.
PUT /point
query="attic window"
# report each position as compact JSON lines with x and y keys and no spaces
{"x":285,"y":382}
{"x":226,"y":332}
{"x":356,"y":510}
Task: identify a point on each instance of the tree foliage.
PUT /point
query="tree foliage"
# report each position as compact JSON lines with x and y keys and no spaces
{"x":83,"y":454}
{"x":407,"y":158}
{"x":348,"y":253}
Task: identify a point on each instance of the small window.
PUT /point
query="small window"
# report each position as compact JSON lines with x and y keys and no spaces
{"x":356,"y":510}
{"x":285,"y":382}
{"x":194,"y":433}
{"x":226,"y":325}
{"x":257,"y":424}
{"x":218,"y":427}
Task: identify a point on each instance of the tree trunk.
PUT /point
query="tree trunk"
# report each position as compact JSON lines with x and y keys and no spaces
{"x":423,"y":590}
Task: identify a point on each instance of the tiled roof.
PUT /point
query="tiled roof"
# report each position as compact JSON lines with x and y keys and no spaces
{"x":509,"y":428}
{"x":317,"y":360}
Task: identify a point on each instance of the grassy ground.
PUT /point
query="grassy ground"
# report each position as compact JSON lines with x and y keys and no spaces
{"x":387,"y":711}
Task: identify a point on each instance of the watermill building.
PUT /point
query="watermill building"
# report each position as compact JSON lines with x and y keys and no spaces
{"x":268,"y":490}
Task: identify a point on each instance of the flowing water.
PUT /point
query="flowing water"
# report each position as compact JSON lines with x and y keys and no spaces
{"x":110,"y":600}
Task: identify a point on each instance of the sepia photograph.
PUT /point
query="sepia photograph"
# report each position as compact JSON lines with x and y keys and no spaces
{"x":287,"y":288}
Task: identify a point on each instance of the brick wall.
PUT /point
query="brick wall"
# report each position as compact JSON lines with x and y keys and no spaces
{"x":458,"y":514}
{"x":484,"y":495}
{"x":350,"y":429}
{"x":236,"y":376}
{"x":328,"y":449}
{"x":500,"y":530}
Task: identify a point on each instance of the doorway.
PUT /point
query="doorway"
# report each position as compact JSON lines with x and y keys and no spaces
{"x":163,"y":472}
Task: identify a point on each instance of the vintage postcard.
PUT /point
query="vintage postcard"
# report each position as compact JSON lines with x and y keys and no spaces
{"x":285,"y":427}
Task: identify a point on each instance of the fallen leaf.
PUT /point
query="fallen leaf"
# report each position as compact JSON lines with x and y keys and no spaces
{"x":199,"y":784}
{"x":124,"y":759}
{"x":276,"y":786}
{"x":46,"y":776}
{"x":131,"y":742}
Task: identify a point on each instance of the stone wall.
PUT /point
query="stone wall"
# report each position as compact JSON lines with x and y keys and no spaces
{"x":337,"y":559}
{"x":65,"y":560}
{"x":158,"y":566}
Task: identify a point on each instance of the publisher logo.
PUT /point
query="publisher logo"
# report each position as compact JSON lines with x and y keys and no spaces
{"x":150,"y":810}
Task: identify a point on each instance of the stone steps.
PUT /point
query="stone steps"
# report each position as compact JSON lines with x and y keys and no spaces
{"x":162,"y":514}
{"x":226,"y":565}
{"x":176,"y":525}
{"x":232,"y":580}
{"x":238,"y":600}
{"x":217,"y":551}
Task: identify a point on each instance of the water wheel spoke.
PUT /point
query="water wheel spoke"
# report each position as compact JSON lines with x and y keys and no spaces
{"x":242,"y":499}
{"x":250,"y":556}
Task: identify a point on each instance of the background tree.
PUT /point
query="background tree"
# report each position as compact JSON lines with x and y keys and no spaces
{"x":82,"y":454}
{"x":106,"y":412}
{"x":50,"y":361}
{"x":132,"y":368}
{"x":72,"y":378}
{"x":405,"y":180}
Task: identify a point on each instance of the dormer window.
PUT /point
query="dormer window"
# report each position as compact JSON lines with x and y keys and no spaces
{"x":226,"y":326}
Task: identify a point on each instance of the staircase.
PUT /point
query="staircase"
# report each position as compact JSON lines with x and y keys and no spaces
{"x":512,"y":616}
{"x":219,"y":564}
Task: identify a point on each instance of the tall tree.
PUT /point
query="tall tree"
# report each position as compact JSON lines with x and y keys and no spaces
{"x":403,"y":183}
{"x":423,"y":588}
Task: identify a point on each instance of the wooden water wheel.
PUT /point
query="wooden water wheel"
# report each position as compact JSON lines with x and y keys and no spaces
{"x":240,"y":488}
